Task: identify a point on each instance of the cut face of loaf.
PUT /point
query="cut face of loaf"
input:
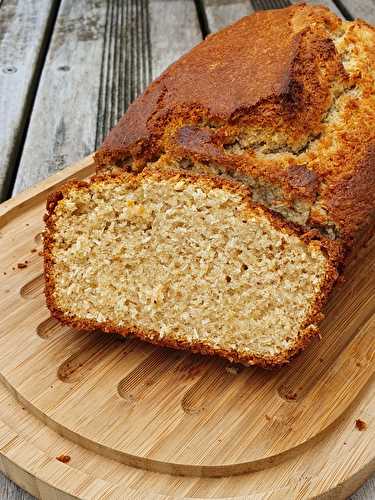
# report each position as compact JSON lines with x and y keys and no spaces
{"x":183,"y":261}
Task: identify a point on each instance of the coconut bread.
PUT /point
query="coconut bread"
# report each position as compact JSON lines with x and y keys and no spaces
{"x":229,"y":196}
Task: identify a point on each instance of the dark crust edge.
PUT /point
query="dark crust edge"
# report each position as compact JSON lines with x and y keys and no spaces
{"x":308,"y":330}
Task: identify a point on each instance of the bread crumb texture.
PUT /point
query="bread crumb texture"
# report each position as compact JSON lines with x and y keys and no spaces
{"x":178,"y":258}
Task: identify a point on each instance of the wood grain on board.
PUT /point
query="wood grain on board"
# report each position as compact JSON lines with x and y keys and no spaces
{"x":171,"y":412}
{"x":29,"y":445}
{"x":218,"y":13}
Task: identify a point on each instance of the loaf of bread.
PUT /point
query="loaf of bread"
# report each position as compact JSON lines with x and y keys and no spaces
{"x":229,"y":195}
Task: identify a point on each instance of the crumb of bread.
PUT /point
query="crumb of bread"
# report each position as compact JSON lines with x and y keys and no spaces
{"x":63,"y":458}
{"x":287,"y":393}
{"x":361,"y":425}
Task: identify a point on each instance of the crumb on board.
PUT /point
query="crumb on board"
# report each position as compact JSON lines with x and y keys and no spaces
{"x":33,"y":250}
{"x":63,"y":458}
{"x":40,"y":253}
{"x":341,"y":280}
{"x":287,"y":393}
{"x":291,"y":396}
{"x":361,"y":425}
{"x":268,"y":418}
{"x":22,"y":265}
{"x":233,"y":370}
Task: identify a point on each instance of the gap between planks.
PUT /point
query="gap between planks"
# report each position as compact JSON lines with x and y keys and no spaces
{"x":101,"y":44}
{"x":24,"y":41}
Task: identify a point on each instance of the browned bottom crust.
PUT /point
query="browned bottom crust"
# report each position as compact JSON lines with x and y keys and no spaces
{"x":233,"y":356}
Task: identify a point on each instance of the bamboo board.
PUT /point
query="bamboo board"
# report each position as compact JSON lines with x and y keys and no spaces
{"x":148,"y":421}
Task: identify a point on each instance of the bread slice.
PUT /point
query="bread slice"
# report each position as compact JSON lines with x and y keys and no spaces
{"x":184,"y":261}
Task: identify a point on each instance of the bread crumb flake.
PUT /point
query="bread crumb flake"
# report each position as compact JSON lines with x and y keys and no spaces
{"x":361,"y":425}
{"x":63,"y":458}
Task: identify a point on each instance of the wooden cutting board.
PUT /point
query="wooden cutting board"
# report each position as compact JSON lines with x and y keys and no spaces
{"x":143,"y":421}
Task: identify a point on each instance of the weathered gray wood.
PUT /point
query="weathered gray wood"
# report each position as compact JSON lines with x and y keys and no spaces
{"x":125,"y":63}
{"x":367,"y":492}
{"x":220,"y":13}
{"x":10,"y":491}
{"x":24,"y":28}
{"x":328,"y":3}
{"x":138,"y":48}
{"x":364,"y":9}
{"x":174,"y":29}
{"x":63,"y":122}
{"x":101,"y":56}
{"x":269,"y":4}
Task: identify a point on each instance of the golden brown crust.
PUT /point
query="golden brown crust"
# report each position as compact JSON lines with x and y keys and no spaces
{"x":240,"y":79}
{"x":309,"y":328}
{"x":351,"y":200}
{"x":210,"y":83}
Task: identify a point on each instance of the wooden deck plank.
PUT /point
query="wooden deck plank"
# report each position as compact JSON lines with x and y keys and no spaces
{"x":101,"y":56}
{"x":364,"y":9}
{"x":220,"y":14}
{"x":328,"y":3}
{"x":24,"y":28}
{"x":10,"y":491}
{"x":139,"y":48}
{"x":168,"y":34}
{"x":63,"y":122}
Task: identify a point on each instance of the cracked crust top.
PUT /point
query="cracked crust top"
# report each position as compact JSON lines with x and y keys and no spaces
{"x":285,"y":96}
